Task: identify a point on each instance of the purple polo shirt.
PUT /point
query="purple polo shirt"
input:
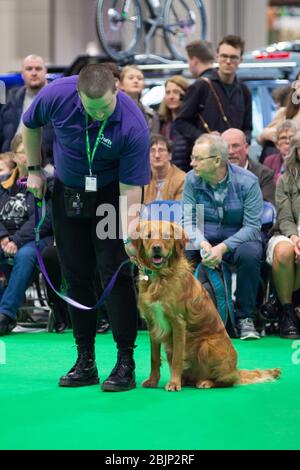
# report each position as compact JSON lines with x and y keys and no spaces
{"x":123,"y":152}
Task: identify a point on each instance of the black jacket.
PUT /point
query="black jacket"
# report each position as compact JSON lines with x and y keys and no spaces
{"x":199,"y":99}
{"x":10,"y":115}
{"x":17,"y":219}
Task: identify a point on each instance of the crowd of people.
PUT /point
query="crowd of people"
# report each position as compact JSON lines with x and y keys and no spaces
{"x":84,"y":141}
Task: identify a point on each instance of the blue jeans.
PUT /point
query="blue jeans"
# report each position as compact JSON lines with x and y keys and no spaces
{"x":18,"y":276}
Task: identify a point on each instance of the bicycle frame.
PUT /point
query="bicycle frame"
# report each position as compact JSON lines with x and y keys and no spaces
{"x":175,"y":19}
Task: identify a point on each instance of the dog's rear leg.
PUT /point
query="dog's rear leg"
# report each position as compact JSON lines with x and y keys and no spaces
{"x":178,"y":352}
{"x":154,"y":377}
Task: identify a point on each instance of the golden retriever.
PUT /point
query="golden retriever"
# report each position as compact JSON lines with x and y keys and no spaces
{"x":181,"y":315}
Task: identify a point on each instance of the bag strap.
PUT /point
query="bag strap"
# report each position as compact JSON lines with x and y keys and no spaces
{"x":219,"y":104}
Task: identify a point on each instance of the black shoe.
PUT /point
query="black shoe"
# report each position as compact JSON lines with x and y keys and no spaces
{"x":7,"y":324}
{"x":122,"y":377}
{"x":60,"y":327}
{"x":84,"y":372}
{"x":289,"y":325}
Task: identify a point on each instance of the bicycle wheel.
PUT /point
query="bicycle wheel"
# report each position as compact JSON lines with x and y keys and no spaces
{"x":119,"y":27}
{"x":184,"y":21}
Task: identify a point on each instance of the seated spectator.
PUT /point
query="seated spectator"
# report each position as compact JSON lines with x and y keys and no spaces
{"x":19,"y":99}
{"x":238,"y":155}
{"x":231,"y":201}
{"x":7,"y":165}
{"x":280,"y":96}
{"x":289,"y":112}
{"x":132,"y":82}
{"x":166,"y":179}
{"x":17,"y":247}
{"x":284,"y":133}
{"x":283,"y":251}
{"x":175,"y":89}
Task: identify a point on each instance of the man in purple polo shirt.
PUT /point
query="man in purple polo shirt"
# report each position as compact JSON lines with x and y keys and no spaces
{"x":101,"y":151}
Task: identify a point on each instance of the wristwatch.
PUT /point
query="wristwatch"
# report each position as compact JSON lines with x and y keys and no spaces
{"x":34,"y":168}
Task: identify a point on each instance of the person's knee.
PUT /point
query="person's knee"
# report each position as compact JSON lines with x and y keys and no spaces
{"x":25,"y":255}
{"x":283,"y":254}
{"x":249,"y":254}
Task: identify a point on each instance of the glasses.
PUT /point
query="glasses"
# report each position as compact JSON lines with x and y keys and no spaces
{"x":160,"y":151}
{"x":284,"y":138}
{"x":232,"y":58}
{"x":198,"y":159}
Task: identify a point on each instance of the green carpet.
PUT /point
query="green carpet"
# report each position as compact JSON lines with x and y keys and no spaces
{"x":36,"y":414}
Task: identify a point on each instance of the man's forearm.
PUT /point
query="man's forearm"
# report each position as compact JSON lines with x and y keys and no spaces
{"x":133,"y":204}
{"x":32,"y":144}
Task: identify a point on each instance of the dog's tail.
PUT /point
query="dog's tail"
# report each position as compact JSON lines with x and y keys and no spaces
{"x":257,"y":376}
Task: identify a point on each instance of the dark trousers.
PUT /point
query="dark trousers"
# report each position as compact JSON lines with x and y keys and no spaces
{"x":246,"y":259}
{"x":81,"y":254}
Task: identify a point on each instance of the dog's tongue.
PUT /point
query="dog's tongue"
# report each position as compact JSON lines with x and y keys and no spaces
{"x":157,"y":260}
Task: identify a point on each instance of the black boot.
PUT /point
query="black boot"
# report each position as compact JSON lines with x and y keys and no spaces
{"x":122,"y":377}
{"x":289,"y":324}
{"x":84,"y":372}
{"x":6,"y":324}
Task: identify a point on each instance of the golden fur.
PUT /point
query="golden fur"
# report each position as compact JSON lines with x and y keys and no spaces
{"x":181,"y":315}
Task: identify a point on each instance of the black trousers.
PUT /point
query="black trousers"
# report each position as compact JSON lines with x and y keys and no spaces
{"x":82,"y":254}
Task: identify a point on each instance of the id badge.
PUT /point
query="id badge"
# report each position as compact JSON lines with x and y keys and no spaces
{"x":91,"y":183}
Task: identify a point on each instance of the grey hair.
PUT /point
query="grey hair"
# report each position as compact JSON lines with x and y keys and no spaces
{"x":285,"y":125}
{"x":218,"y":146}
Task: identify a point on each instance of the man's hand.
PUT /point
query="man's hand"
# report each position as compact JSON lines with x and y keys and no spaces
{"x":10,"y":249}
{"x":131,"y":252}
{"x":214,"y":257}
{"x":3,"y":242}
{"x":37,"y":184}
{"x":296,"y":241}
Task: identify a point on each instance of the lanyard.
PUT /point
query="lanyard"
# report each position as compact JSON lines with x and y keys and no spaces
{"x":90,"y":155}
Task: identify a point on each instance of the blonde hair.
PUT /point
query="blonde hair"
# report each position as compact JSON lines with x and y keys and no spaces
{"x":7,"y":159}
{"x":182,"y":83}
{"x":125,"y":69}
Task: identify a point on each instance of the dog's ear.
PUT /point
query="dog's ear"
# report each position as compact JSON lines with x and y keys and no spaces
{"x":137,"y":242}
{"x":180,"y":238}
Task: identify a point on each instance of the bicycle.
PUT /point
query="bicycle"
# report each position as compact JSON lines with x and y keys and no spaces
{"x":120,"y":25}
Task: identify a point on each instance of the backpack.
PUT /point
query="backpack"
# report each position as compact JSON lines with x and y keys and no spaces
{"x":218,"y":284}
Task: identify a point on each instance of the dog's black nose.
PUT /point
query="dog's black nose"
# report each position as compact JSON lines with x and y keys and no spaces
{"x":156,"y":249}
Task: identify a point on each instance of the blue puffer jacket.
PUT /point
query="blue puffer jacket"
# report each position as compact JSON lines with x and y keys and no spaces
{"x":10,"y":116}
{"x":242,"y":210}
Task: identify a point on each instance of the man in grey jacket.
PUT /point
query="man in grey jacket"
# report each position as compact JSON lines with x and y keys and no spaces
{"x":238,"y":155}
{"x":231,"y":203}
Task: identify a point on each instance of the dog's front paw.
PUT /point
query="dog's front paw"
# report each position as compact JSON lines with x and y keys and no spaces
{"x":205,"y":384}
{"x":151,"y":382}
{"x":173,"y":386}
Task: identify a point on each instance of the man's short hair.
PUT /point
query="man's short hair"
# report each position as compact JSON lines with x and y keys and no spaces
{"x":156,"y":138}
{"x":201,"y":49}
{"x":234,"y":41}
{"x":95,"y":80}
{"x":217,"y":145}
